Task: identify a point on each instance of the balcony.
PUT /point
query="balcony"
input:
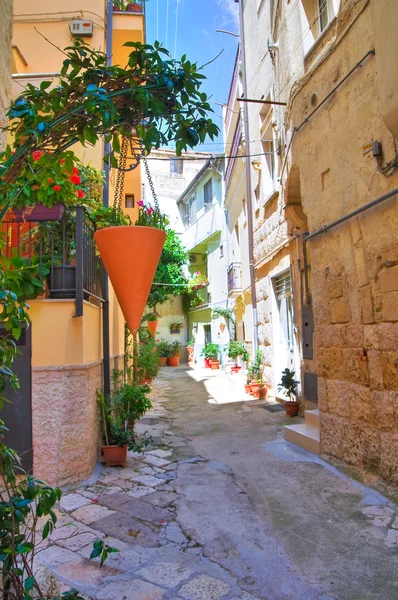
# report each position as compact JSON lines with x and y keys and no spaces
{"x":234,"y":277}
{"x":62,"y":254}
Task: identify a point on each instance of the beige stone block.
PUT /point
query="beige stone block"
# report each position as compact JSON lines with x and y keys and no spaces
{"x":375,"y":370}
{"x":339,"y":311}
{"x":355,"y":229}
{"x":322,"y":394}
{"x":329,"y":336}
{"x":360,"y":398}
{"x":388,"y":279}
{"x":353,"y":444}
{"x":383,"y":412}
{"x":371,"y":451}
{"x":355,"y":335}
{"x":390,"y":369}
{"x":330,"y":363}
{"x":355,"y":366}
{"x":338,"y":398}
{"x":371,"y":337}
{"x":389,"y":457}
{"x":361,"y":267}
{"x":366,"y":301}
{"x":390,"y":306}
{"x":335,"y":287}
{"x":332,"y":431}
{"x":388,"y":336}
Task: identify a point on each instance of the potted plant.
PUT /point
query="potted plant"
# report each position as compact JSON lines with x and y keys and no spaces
{"x":173,"y":359}
{"x":163,"y":348}
{"x":210,"y":353}
{"x":288,"y":385}
{"x":197,"y":282}
{"x":236,"y":350}
{"x":190,"y":349}
{"x":152,"y":320}
{"x":147,"y":360}
{"x":255,"y":373}
{"x":176,"y":327}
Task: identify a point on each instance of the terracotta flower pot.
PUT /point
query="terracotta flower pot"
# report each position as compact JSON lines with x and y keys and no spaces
{"x":235,"y":369}
{"x":173,"y":361}
{"x":152,"y":326}
{"x":254,"y":388}
{"x":214,"y":364}
{"x":263,"y":392}
{"x":163,"y":361}
{"x":130,"y":255}
{"x":291,"y":408}
{"x":222,"y":327}
{"x":134,"y":7}
{"x":248,"y":388}
{"x":115,"y":455}
{"x":207,"y":363}
{"x":40,"y":213}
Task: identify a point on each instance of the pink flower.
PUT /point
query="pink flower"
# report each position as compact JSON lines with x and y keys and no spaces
{"x":150,"y":210}
{"x":140,"y":203}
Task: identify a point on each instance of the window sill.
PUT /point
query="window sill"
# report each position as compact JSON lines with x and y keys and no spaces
{"x":272,"y":196}
{"x":320,"y":42}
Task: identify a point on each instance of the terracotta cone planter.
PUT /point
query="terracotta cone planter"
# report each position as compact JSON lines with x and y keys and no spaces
{"x":222,"y":327}
{"x":130,"y":255}
{"x":152,"y":326}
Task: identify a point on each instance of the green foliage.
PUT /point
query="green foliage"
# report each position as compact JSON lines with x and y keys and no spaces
{"x":255,"y":370}
{"x":157,"y":96}
{"x":211,"y":351}
{"x":191,"y":300}
{"x":176,"y":326}
{"x":229,"y":319}
{"x":169,"y":271}
{"x":151,"y":316}
{"x":149,"y":216}
{"x":23,"y":277}
{"x":106,"y":216}
{"x":191,"y":342}
{"x":175,"y":348}
{"x":288,"y":385}
{"x":147,"y":359}
{"x":100,"y":548}
{"x":163,"y":348}
{"x":236,"y":349}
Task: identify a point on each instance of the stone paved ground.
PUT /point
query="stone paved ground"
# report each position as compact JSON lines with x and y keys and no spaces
{"x":221,"y":508}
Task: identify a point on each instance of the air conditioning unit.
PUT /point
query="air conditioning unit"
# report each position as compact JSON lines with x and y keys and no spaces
{"x":81,"y":28}
{"x":195,"y":259}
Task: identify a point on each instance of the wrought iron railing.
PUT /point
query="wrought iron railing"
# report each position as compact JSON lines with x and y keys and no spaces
{"x":64,"y":254}
{"x":234,"y":277}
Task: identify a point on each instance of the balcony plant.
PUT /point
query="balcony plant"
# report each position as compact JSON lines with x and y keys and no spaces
{"x":173,"y":359}
{"x":236,"y":350}
{"x":288,"y":385}
{"x":197,"y":282}
{"x":176,"y":327}
{"x":163,"y":348}
{"x":126,"y":6}
{"x":211,"y":352}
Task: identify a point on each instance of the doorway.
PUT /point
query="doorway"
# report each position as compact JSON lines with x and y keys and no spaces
{"x":207,"y":332}
{"x":283,"y":327}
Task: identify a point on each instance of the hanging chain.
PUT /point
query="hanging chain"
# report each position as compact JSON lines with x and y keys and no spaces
{"x":121,"y":171}
{"x":148,"y":174}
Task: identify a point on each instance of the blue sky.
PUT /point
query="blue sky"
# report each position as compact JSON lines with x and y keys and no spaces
{"x":197,"y":21}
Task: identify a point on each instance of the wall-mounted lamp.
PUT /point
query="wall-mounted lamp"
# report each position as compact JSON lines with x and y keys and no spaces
{"x":256,"y":164}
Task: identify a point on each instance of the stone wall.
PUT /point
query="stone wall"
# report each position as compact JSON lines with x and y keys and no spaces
{"x":5,"y":63}
{"x":354,"y":267}
{"x":65,"y":422}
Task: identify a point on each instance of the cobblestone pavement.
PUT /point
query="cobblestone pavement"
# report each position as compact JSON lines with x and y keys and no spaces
{"x":220,"y":508}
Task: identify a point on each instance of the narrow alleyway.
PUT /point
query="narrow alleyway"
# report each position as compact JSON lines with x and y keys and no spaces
{"x":220,"y":508}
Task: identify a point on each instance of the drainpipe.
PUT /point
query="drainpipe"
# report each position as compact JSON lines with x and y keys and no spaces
{"x":248,"y":180}
{"x":107,"y":148}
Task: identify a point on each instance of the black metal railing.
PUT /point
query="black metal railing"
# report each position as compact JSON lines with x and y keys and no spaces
{"x":234,"y":277}
{"x":63,"y":253}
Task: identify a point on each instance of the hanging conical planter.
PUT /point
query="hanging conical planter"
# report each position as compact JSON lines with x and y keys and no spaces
{"x":152,"y":326}
{"x":130,"y":255}
{"x":222,"y":327}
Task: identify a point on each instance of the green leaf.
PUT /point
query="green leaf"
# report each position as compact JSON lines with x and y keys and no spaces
{"x":29,"y":583}
{"x":95,"y":552}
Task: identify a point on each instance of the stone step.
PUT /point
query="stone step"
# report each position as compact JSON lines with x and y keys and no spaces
{"x":304,"y":436}
{"x":311,"y":418}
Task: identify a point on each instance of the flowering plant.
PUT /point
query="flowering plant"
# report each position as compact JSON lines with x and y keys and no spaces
{"x":152,"y":316}
{"x":176,"y":326}
{"x":47,"y":179}
{"x":149,"y":216}
{"x":197,"y":281}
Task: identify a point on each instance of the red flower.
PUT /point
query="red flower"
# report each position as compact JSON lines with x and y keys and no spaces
{"x":62,"y":161}
{"x":35,"y":187}
{"x":50,"y":180}
{"x":76,"y":179}
{"x":57,"y":188}
{"x":80,"y":194}
{"x":75,"y":171}
{"x":37,"y":154}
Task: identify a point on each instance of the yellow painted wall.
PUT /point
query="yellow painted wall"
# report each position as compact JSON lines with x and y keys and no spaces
{"x":58,"y":337}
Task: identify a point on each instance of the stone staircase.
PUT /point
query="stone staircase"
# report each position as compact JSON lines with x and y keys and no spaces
{"x":305,"y":435}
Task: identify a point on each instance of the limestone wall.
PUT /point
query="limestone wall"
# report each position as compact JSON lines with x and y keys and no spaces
{"x":354,"y":272}
{"x":5,"y":63}
{"x":65,"y":422}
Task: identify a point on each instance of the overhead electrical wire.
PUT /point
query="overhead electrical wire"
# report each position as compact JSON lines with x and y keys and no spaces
{"x":211,"y":156}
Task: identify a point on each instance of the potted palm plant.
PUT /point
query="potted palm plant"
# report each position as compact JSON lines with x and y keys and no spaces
{"x":236,"y":350}
{"x":173,"y":359}
{"x":288,"y":385}
{"x":211,"y":352}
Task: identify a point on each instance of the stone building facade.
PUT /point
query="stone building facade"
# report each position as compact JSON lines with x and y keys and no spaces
{"x":336,"y":151}
{"x":5,"y":65}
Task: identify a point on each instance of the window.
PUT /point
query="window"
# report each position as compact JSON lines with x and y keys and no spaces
{"x":316,"y":16}
{"x":208,"y":194}
{"x":129,"y":201}
{"x":269,"y":148}
{"x":176,"y":167}
{"x":190,"y":211}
